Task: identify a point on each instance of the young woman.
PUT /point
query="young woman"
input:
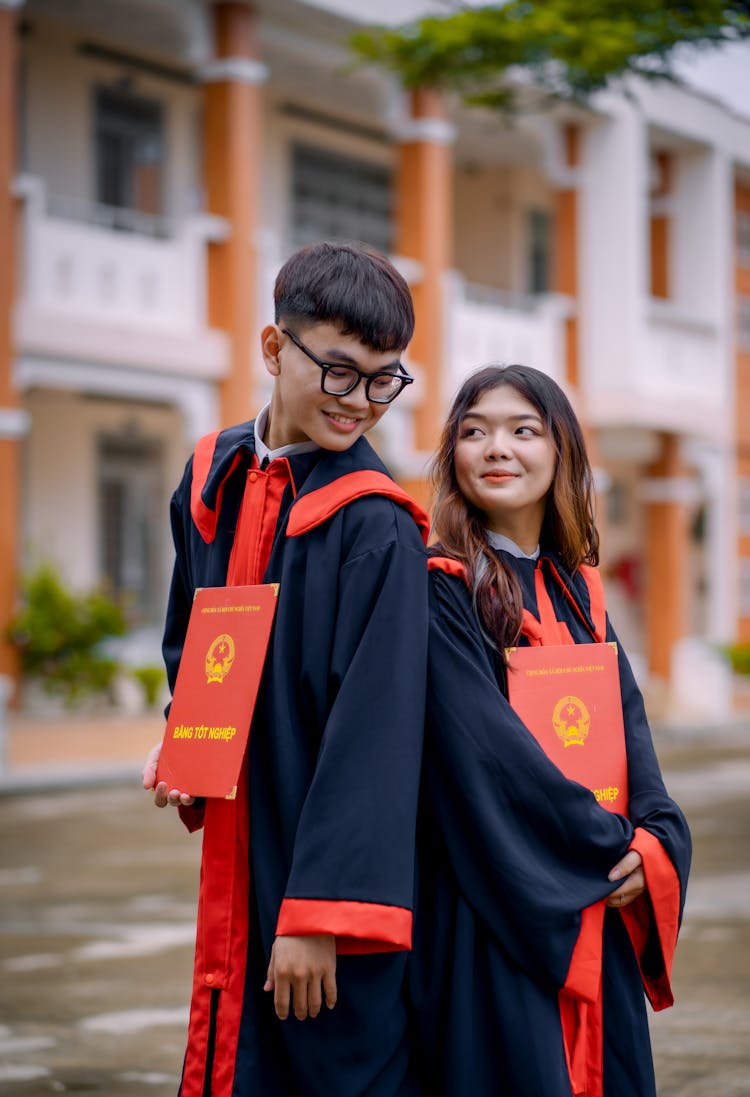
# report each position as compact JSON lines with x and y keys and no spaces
{"x":542,"y":917}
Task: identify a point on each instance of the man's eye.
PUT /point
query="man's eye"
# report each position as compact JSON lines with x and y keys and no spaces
{"x":340,"y":373}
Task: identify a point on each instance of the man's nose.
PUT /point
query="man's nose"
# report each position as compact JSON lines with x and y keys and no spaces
{"x":357,"y":398}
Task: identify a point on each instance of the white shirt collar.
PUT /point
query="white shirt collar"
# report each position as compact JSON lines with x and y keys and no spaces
{"x":262,"y":450}
{"x":499,"y":541}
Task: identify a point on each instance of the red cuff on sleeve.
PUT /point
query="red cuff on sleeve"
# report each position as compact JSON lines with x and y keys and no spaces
{"x":662,"y":913}
{"x":358,"y":927}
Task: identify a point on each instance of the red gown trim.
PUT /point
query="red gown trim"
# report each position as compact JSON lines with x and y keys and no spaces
{"x":358,"y":927}
{"x":581,"y":1007}
{"x":256,"y":524}
{"x":206,"y":519}
{"x":657,"y":909}
{"x":318,"y":506}
{"x":448,"y":565}
{"x":223,"y":924}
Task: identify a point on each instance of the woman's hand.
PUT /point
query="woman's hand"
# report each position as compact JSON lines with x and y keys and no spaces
{"x":630,"y":871}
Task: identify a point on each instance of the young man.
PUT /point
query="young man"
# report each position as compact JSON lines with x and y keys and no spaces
{"x":307,"y":877}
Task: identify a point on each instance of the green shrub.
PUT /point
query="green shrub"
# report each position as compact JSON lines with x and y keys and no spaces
{"x":738,"y":656}
{"x":151,"y":678}
{"x":58,"y":633}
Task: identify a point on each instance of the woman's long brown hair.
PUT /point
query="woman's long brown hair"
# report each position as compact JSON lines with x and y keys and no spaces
{"x":568,"y":527}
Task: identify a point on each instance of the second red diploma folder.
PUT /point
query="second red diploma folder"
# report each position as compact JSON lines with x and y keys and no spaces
{"x":568,"y":695}
{"x":216,"y":689}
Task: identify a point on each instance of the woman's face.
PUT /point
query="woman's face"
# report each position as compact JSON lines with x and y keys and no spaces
{"x":505,"y":462}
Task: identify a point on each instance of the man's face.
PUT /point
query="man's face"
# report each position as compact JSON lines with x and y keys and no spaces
{"x":300,"y":410}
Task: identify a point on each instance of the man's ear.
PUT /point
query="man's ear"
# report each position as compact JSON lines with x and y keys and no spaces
{"x":270,"y":345}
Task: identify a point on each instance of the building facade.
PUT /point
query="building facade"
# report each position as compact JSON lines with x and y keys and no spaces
{"x":159,"y":159}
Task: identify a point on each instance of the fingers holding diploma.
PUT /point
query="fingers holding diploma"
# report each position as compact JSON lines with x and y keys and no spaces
{"x":163,"y":795}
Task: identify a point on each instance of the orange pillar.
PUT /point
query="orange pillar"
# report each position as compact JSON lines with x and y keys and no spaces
{"x":424,"y":221}
{"x":659,"y":226}
{"x":742,"y":399}
{"x":11,"y":416}
{"x":666,"y":556}
{"x":232,"y":139}
{"x":566,"y":249}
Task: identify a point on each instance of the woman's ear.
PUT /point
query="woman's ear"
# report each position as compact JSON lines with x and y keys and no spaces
{"x":270,"y":345}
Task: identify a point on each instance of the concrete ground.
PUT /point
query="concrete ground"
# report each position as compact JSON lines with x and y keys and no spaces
{"x":97,"y":907}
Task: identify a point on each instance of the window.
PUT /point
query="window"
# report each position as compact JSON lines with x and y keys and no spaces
{"x":539,"y":250}
{"x":743,"y":324}
{"x":129,"y":151}
{"x":744,"y":607}
{"x":744,"y":506}
{"x":336,"y":197}
{"x":130,"y":521}
{"x":617,"y":503}
{"x":743,"y":238}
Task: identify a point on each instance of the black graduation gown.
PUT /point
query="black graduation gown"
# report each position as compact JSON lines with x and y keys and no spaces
{"x":327,"y":843}
{"x":510,"y":853}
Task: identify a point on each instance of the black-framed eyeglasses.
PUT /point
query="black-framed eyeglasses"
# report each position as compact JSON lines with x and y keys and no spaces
{"x":339,"y":380}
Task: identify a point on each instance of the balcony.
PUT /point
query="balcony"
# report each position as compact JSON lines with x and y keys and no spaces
{"x":111,"y":287}
{"x":683,"y":359}
{"x":486,"y":326}
{"x":670,"y":372}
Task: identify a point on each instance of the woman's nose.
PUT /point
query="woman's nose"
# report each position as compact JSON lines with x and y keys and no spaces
{"x":497,"y":446}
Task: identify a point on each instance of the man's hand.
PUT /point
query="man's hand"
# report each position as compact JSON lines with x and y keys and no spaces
{"x":299,"y":967}
{"x":163,"y":795}
{"x":630,"y":871}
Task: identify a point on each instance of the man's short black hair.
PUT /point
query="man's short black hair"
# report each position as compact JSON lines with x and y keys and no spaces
{"x":349,"y":285}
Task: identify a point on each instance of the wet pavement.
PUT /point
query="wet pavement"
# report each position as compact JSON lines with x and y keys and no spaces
{"x":97,"y":906}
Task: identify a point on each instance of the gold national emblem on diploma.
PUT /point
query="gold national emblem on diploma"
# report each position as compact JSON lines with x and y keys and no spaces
{"x":571,"y":721}
{"x":219,"y":658}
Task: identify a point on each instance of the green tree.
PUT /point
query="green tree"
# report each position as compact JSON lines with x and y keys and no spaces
{"x":58,"y":634}
{"x":572,"y":48}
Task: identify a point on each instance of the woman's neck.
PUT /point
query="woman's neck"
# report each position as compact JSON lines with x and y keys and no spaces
{"x":507,"y":544}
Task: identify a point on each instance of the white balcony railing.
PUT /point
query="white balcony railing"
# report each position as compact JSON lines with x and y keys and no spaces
{"x":667,"y":371}
{"x":683,"y":357}
{"x":91,"y":270}
{"x":484,"y":326}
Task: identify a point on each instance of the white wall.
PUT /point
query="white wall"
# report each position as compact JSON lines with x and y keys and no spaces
{"x":60,"y":477}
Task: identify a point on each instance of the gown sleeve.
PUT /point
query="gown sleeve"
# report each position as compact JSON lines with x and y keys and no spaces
{"x":662,"y":838}
{"x":352,"y":871}
{"x":178,"y":614}
{"x":181,"y":588}
{"x":530,"y":849}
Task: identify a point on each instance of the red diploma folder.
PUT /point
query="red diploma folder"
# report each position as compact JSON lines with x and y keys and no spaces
{"x":568,"y":695}
{"x":216,"y":689}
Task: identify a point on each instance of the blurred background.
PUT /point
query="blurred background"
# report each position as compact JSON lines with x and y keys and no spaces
{"x":159,"y":159}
